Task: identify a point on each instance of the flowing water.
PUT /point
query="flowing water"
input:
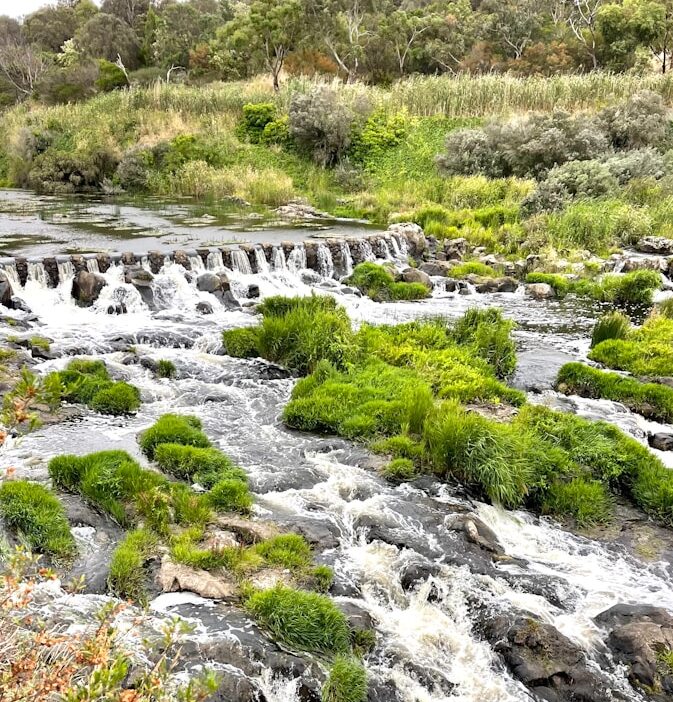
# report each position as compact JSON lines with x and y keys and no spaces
{"x":370,"y":531}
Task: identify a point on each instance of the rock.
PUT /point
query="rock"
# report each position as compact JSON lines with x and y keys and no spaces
{"x":637,"y":633}
{"x":138,"y":276}
{"x":5,"y":291}
{"x":417,"y":572}
{"x":438,"y":268}
{"x":640,"y":263}
{"x":19,"y":304}
{"x":358,"y":618}
{"x":414,"y":275}
{"x":410,"y":231}
{"x":267,"y":578}
{"x":218,"y":539}
{"x":545,"y":660}
{"x":493,"y":285}
{"x":455,"y":249}
{"x":300,"y":210}
{"x":209,"y":282}
{"x":86,"y":287}
{"x":174,"y":577}
{"x":661,"y":441}
{"x":236,"y":688}
{"x":540,"y":291}
{"x":204,"y":307}
{"x":252,"y":292}
{"x":250,"y":531}
{"x":655,"y":245}
{"x":117,"y":308}
{"x":476,"y":531}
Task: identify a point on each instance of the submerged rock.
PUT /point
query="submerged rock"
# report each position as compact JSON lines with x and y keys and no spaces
{"x":493,"y":285}
{"x":661,"y":441}
{"x":86,"y":287}
{"x":204,"y":307}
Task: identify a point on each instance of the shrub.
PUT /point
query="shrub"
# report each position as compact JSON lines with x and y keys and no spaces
{"x":634,"y":288}
{"x":255,"y":118}
{"x":304,"y":621}
{"x":173,"y":429}
{"x":287,"y":550}
{"x":166,"y":369}
{"x":241,"y":343}
{"x":230,"y":495}
{"x":649,"y":399}
{"x":642,"y":120}
{"x":133,"y":171}
{"x":321,"y":125}
{"x":202,"y":465}
{"x":110,"y":77}
{"x":119,"y":398}
{"x":613,"y":325}
{"x":347,"y":681}
{"x":400,"y":469}
{"x":586,"y":501}
{"x":381,"y":131}
{"x":379,"y":284}
{"x":127,"y":566}
{"x":462,"y":270}
{"x":35,"y":513}
{"x":639,"y":163}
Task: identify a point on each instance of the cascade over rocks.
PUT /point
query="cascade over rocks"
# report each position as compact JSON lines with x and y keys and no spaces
{"x":86,"y":287}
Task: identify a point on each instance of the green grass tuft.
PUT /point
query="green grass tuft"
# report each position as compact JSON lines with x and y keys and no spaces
{"x":173,"y":429}
{"x":127,"y":567}
{"x":347,"y":681}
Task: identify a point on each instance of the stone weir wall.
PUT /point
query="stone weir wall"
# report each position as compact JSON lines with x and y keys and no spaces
{"x":330,"y":258}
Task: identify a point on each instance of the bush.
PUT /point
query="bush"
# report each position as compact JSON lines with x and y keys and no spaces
{"x":379,"y":284}
{"x":202,"y":465}
{"x":230,"y":495}
{"x":462,"y":270}
{"x":127,"y":567}
{"x":400,"y":469}
{"x":649,"y":399}
{"x":321,"y":125}
{"x":166,"y":369}
{"x":118,"y":399}
{"x":173,"y":429}
{"x":634,"y":288}
{"x":110,"y":77}
{"x":304,"y":621}
{"x":347,"y":681}
{"x":133,"y":171}
{"x":640,"y":121}
{"x":467,"y":152}
{"x":613,"y":325}
{"x":37,"y":515}
{"x":586,"y":501}
{"x":241,"y":343}
{"x":287,"y":550}
{"x":380,"y":132}
{"x":255,"y":118}
{"x":639,"y":163}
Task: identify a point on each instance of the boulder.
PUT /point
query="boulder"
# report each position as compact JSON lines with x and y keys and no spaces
{"x":86,"y":287}
{"x":540,"y":291}
{"x":19,"y":304}
{"x":637,"y":634}
{"x":209,"y":282}
{"x":439,"y":268}
{"x":414,"y":275}
{"x":252,"y":292}
{"x":476,"y":532}
{"x":493,"y":285}
{"x":138,"y":276}
{"x":661,"y":441}
{"x":175,"y":577}
{"x":5,"y":291}
{"x":658,"y":245}
{"x":250,"y":531}
{"x":204,"y":308}
{"x":413,"y":235}
{"x":455,"y":249}
{"x":638,"y":263}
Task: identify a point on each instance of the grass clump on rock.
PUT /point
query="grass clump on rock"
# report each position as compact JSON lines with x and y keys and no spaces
{"x":303,"y":621}
{"x":166,"y":369}
{"x":347,"y":681}
{"x":652,"y":400}
{"x":586,"y":501}
{"x":88,"y":383}
{"x":201,"y":465}
{"x":127,"y":567}
{"x":173,"y":429}
{"x":614,"y":325}
{"x":378,"y":283}
{"x":35,"y":513}
{"x":241,"y":343}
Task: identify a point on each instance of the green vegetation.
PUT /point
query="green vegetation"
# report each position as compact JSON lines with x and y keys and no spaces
{"x":36,"y":515}
{"x":88,"y":383}
{"x":173,"y":429}
{"x":586,"y":501}
{"x":200,"y":465}
{"x":303,"y":621}
{"x":649,"y":399}
{"x":127,"y":567}
{"x":379,"y":283}
{"x":166,"y":369}
{"x":613,"y":325}
{"x":400,"y":469}
{"x":347,"y":681}
{"x":481,"y":270}
{"x":240,"y":343}
{"x":643,"y":351}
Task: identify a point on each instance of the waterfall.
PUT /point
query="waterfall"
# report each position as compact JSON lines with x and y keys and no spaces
{"x":214,"y":261}
{"x":296,"y":261}
{"x":260,"y":260}
{"x":240,"y":262}
{"x":196,"y":262}
{"x":278,"y":259}
{"x":346,"y":258}
{"x":404,"y":247}
{"x":92,"y":265}
{"x":325,"y":263}
{"x":66,"y":271}
{"x":385,"y":249}
{"x":12,"y":276}
{"x":395,"y":247}
{"x":145,"y":262}
{"x":366,"y":250}
{"x":37,"y":273}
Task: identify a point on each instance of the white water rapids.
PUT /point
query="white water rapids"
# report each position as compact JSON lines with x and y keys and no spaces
{"x":427,"y":645}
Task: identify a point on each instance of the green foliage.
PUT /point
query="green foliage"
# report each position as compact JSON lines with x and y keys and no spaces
{"x":88,"y":382}
{"x":379,"y":133}
{"x":322,"y":577}
{"x":173,"y":429}
{"x":201,"y":465}
{"x":303,"y":621}
{"x":649,"y":399}
{"x":298,"y":333}
{"x":128,"y":565}
{"x":347,"y":681}
{"x":287,"y":551}
{"x":634,"y":288}
{"x":166,"y":369}
{"x":377,"y":282}
{"x":613,"y":325}
{"x":256,"y":117}
{"x":665,"y":308}
{"x":241,"y":343}
{"x":586,"y":501}
{"x":462,"y":270}
{"x":33,"y":512}
{"x":230,"y":495}
{"x":646,"y":351}
{"x":400,"y":469}
{"x":561,"y":285}
{"x":110,"y":77}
